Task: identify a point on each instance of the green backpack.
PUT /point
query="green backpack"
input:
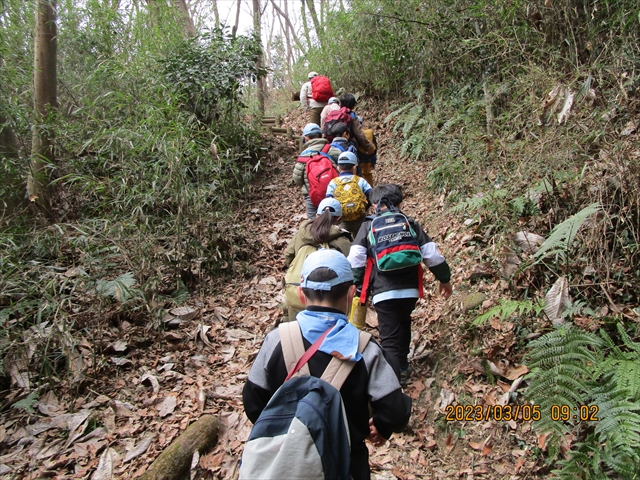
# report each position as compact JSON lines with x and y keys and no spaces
{"x":292,"y":278}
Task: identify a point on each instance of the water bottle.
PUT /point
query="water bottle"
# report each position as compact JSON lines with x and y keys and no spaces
{"x":358,"y":313}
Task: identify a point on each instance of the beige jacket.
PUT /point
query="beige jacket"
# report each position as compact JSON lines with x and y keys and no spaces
{"x":306,"y":100}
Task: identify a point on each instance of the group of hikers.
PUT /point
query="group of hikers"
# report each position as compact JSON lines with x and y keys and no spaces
{"x":319,"y":386}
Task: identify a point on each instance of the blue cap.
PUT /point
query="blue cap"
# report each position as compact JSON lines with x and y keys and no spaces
{"x":331,"y":259}
{"x":348,"y":158}
{"x":311,"y":128}
{"x":333,"y":100}
{"x":332,"y":204}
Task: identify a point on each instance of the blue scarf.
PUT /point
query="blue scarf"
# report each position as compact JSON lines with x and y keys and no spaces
{"x":342,"y":339}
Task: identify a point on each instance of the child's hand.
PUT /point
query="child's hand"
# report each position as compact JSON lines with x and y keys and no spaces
{"x":374,"y":436}
{"x":445,"y":289}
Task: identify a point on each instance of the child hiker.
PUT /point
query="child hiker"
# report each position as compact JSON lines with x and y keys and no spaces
{"x":390,"y":271}
{"x":321,"y":232}
{"x":314,"y":146}
{"x":326,"y":286}
{"x":351,"y":191}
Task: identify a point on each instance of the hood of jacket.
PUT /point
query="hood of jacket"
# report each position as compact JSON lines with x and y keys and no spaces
{"x":315,"y":145}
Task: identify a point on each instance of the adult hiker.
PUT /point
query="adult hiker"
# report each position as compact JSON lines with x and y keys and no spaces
{"x":314,"y":95}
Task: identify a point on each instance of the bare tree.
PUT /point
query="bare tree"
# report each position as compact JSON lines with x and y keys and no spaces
{"x":216,"y":14}
{"x":234,"y":30}
{"x":290,"y":31}
{"x":45,"y":104}
{"x":189,"y":26}
{"x":257,"y":21}
{"x":305,"y":25}
{"x":314,"y":17}
{"x":284,"y":28}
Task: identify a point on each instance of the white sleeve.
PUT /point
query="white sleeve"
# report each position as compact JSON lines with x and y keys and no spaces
{"x":431,"y":255}
{"x":357,"y":256}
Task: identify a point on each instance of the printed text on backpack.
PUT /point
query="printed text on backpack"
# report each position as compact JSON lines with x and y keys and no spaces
{"x":394,"y":242}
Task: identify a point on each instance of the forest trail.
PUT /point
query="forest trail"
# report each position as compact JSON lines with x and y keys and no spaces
{"x":161,"y":381}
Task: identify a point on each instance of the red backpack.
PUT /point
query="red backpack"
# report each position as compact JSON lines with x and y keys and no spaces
{"x":320,"y":171}
{"x":321,"y":89}
{"x":342,"y":115}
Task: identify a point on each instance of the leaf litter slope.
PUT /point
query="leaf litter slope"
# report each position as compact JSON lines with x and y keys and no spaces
{"x":156,"y":383}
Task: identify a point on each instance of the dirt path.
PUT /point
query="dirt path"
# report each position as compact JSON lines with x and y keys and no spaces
{"x":162,"y":381}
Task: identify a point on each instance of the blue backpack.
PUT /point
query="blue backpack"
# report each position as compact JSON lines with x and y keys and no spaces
{"x":303,"y":431}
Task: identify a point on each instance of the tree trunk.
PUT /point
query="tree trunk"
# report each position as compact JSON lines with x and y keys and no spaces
{"x":14,"y":186}
{"x":189,"y":27}
{"x":316,"y":22}
{"x":285,"y":16}
{"x":305,"y":25}
{"x":216,"y":14}
{"x":257,"y":17}
{"x":269,"y":61}
{"x":234,"y":30}
{"x":45,"y":105}
{"x":174,"y":462}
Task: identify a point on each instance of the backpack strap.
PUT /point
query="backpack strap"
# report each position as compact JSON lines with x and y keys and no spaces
{"x":292,"y":346}
{"x":338,"y":370}
{"x":302,"y":361}
{"x":367,"y":279}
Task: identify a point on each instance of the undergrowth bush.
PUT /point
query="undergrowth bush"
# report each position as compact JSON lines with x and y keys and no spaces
{"x":153,"y":150}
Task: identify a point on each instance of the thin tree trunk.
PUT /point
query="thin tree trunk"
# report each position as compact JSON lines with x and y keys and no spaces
{"x":269,"y":47}
{"x":189,"y":27}
{"x":316,"y":23}
{"x":45,"y":105}
{"x":257,"y":17}
{"x":216,"y":14}
{"x":285,"y":16}
{"x":234,"y":30}
{"x":285,"y":28}
{"x":305,"y":25}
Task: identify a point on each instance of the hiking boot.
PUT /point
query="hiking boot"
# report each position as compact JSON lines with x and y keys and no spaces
{"x":405,"y":374}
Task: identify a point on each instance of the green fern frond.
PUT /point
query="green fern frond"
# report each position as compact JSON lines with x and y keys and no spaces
{"x":563,"y":235}
{"x":410,"y":119}
{"x":630,"y":344}
{"x":27,"y":403}
{"x":395,"y":113}
{"x":120,"y":289}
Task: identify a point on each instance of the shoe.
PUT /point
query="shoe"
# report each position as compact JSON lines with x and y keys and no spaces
{"x":405,"y":374}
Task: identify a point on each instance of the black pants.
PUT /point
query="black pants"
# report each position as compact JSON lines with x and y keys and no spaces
{"x":394,"y":325}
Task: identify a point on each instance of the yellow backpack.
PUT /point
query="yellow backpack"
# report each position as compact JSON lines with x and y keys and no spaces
{"x":292,"y":278}
{"x":371,"y":137}
{"x":352,"y":199}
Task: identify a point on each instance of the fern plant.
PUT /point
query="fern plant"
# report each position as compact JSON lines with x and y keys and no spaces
{"x":508,"y":308}
{"x":573,"y":368}
{"x":563,"y":235}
